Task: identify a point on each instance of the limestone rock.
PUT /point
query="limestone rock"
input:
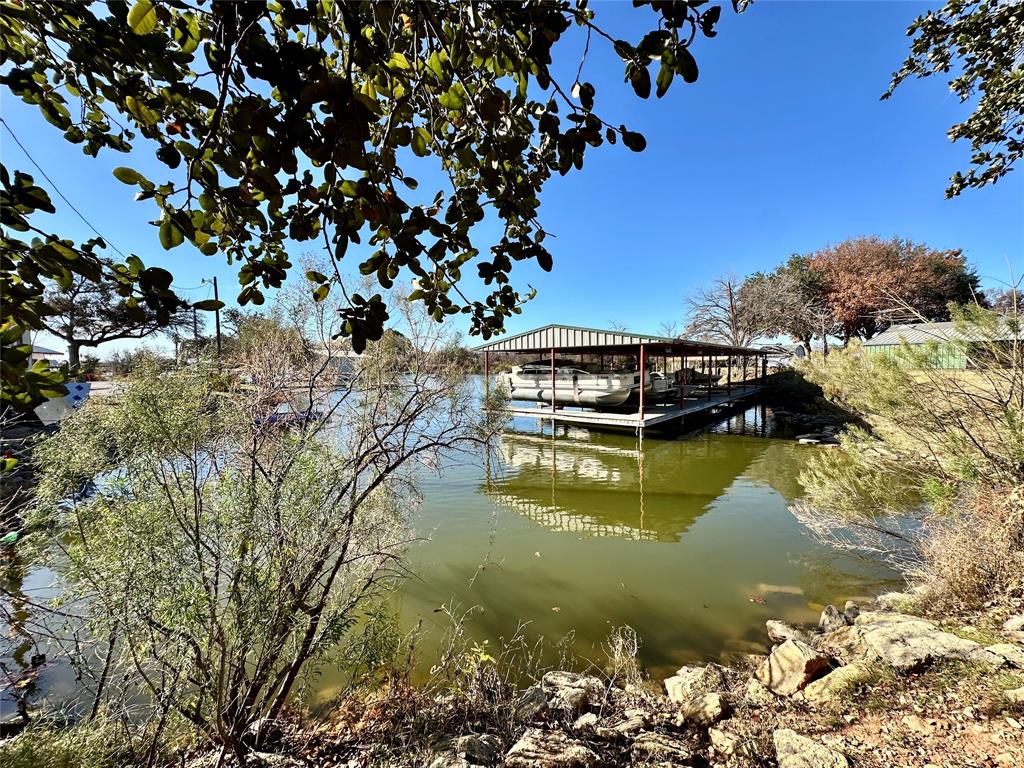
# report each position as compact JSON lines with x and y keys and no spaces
{"x":651,"y":747}
{"x":1014,"y":624}
{"x":780,"y":632}
{"x":636,"y":720}
{"x":532,"y":704}
{"x":831,"y":619}
{"x":484,"y":749}
{"x":790,"y":667}
{"x":689,"y":682}
{"x":895,"y":601}
{"x":795,"y":751}
{"x":585,"y":722}
{"x":451,"y":760}
{"x":1013,"y":654}
{"x":571,"y":692}
{"x":835,"y":683}
{"x":707,"y":709}
{"x":901,"y":641}
{"x":549,"y":749}
{"x":755,"y":694}
{"x":724,"y":743}
{"x":851,"y":611}
{"x":1014,"y":695}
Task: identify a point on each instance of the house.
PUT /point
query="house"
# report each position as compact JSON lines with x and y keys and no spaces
{"x":54,"y":357}
{"x":951,"y":345}
{"x":782,"y":355}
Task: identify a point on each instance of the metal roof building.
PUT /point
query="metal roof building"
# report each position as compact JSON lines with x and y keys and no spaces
{"x":952,"y":341}
{"x":571,"y":338}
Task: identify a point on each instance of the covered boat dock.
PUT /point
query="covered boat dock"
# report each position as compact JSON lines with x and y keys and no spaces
{"x":741,"y":373}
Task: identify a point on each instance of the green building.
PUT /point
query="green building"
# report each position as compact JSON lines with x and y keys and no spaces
{"x":948,"y":345}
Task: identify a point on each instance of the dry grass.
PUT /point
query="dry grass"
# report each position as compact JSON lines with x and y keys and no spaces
{"x":974,"y":556}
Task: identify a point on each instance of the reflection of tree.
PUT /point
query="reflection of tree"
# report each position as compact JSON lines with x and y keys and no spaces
{"x":778,"y":466}
{"x":17,"y":647}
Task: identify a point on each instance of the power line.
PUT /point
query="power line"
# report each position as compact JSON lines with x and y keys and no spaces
{"x":57,"y":189}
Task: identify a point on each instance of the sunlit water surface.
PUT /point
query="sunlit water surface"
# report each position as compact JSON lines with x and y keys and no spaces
{"x":689,"y":541}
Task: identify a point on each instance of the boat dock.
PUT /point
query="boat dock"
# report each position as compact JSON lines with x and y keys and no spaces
{"x":721,"y":376}
{"x":660,"y":416}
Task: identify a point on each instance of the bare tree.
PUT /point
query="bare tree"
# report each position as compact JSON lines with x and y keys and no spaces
{"x":720,"y":312}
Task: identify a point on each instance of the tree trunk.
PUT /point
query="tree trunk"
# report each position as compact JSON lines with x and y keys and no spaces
{"x":74,"y":348}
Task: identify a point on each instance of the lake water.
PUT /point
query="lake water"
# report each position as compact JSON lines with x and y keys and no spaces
{"x":689,"y":541}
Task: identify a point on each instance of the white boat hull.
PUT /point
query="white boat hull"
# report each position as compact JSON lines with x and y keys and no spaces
{"x":590,"y":390}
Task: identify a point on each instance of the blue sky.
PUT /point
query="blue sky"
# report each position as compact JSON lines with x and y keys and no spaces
{"x":781,"y":146}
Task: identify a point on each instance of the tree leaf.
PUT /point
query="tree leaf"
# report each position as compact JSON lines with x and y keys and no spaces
{"x":127,"y":175}
{"x":170,"y":235}
{"x":634,"y":140}
{"x":142,"y":17}
{"x":208,"y":305}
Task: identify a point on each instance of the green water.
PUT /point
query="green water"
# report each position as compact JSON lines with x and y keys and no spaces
{"x":689,"y":541}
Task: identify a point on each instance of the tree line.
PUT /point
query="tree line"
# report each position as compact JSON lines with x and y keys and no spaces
{"x":855,"y":289}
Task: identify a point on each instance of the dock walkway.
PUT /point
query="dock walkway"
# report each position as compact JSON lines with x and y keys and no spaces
{"x":653,"y":416}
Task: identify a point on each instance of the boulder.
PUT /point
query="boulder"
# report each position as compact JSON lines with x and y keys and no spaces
{"x":484,"y":749}
{"x":901,"y":641}
{"x":1013,"y":654}
{"x":693,"y":681}
{"x":795,"y":751}
{"x":1014,"y":624}
{"x":707,"y":709}
{"x":831,"y":619}
{"x":651,"y":747}
{"x":836,"y":682}
{"x":532,"y":704}
{"x":549,"y":749}
{"x":790,"y":667}
{"x":571,"y":692}
{"x":851,"y":611}
{"x":780,"y":632}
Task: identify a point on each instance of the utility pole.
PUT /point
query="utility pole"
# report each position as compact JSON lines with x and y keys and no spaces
{"x":217,"y":314}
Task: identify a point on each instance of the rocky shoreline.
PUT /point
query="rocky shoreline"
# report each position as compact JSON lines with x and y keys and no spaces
{"x":713,"y":715}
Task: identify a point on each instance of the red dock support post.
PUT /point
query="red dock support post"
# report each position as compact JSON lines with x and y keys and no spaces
{"x":643,"y":375}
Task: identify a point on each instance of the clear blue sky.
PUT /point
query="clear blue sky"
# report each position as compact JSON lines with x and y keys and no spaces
{"x":781,"y":146}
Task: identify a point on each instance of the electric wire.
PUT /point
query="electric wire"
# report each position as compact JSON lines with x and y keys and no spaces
{"x":57,"y":190}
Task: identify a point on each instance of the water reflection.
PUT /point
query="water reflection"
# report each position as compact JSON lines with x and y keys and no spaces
{"x":688,"y":540}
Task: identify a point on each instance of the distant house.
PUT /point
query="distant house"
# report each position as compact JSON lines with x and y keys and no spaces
{"x":43,"y":353}
{"x":952,"y":345}
{"x":782,"y":355}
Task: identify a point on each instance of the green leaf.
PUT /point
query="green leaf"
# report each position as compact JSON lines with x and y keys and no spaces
{"x":208,"y":305}
{"x":665,"y":75}
{"x":321,"y":292}
{"x":419,"y":142}
{"x":641,"y":80}
{"x":170,"y":235}
{"x":127,"y":175}
{"x":398,"y":61}
{"x":142,"y":17}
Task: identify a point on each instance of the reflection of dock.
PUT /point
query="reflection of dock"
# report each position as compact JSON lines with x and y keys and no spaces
{"x":652,"y":416}
{"x":557,"y":519}
{"x":614,"y":485}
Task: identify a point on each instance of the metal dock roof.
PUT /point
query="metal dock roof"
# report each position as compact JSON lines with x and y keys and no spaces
{"x":575,"y":338}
